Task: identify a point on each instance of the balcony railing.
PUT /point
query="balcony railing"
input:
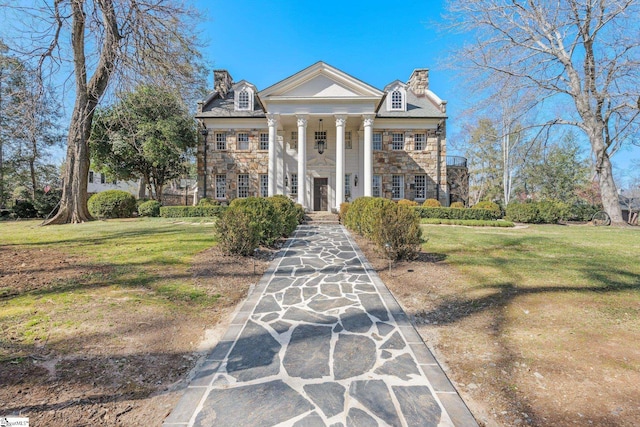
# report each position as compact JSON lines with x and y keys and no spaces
{"x":457,"y":161}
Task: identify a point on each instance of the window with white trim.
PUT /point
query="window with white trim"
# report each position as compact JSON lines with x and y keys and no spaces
{"x":348,"y":143}
{"x":243,"y":185}
{"x":377,"y":140}
{"x":221,"y":141}
{"x":397,"y":186}
{"x":221,"y":186}
{"x":243,"y":100}
{"x":293,"y":144}
{"x":396,"y":100}
{"x":397,"y":141}
{"x":264,"y":185}
{"x":347,"y":185}
{"x":243,"y":141}
{"x":421,"y":186}
{"x":294,"y":183}
{"x":264,"y":141}
{"x":376,"y":188}
{"x":420,"y":141}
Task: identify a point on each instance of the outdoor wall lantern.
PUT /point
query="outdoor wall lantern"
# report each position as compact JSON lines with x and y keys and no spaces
{"x":439,"y":129}
{"x":355,"y":181}
{"x":286,"y":181}
{"x":321,"y":142}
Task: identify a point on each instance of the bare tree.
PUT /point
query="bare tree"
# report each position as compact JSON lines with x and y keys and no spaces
{"x":583,"y":53}
{"x":112,"y":43}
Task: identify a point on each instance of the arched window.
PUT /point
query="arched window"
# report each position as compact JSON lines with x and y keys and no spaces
{"x":396,"y":100}
{"x":243,"y":100}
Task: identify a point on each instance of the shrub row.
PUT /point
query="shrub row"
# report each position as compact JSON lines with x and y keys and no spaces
{"x":543,"y":212}
{"x":252,"y":221}
{"x":457,"y":213}
{"x":393,"y":227}
{"x":468,"y":222}
{"x":191,"y":211}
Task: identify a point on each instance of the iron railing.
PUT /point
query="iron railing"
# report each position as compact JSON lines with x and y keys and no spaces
{"x":457,"y":161}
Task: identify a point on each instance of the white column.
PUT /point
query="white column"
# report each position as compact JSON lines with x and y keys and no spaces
{"x":368,"y":155}
{"x":340,"y":122}
{"x":272,"y":121}
{"x":302,"y":160}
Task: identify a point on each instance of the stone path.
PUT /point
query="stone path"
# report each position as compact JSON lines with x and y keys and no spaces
{"x":320,"y":342}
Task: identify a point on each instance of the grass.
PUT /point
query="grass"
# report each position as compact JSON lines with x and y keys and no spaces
{"x":467,"y":222}
{"x":564,"y":301}
{"x":135,"y":265}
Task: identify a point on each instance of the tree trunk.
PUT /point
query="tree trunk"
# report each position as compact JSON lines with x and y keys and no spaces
{"x":608,"y":189}
{"x":32,"y":172}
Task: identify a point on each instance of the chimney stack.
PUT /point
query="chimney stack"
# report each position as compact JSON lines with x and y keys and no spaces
{"x":222,"y":82}
{"x":419,"y":81}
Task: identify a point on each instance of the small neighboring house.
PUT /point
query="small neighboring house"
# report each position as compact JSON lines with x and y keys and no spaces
{"x":630,"y":205}
{"x":323,"y":137}
{"x":100,"y":182}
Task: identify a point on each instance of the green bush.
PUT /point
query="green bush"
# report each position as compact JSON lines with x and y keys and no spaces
{"x":112,"y":204}
{"x":300,"y":213}
{"x":205,"y":201}
{"x":431,"y":203}
{"x":407,"y":202}
{"x":544,"y":212}
{"x":149,"y":208}
{"x":362,"y":214}
{"x":454,"y":213}
{"x":191,"y":211}
{"x":24,"y":209}
{"x":485,"y":204}
{"x":457,"y":205}
{"x":47,"y":203}
{"x":467,"y":222}
{"x":582,"y":211}
{"x":266,"y":217}
{"x":237,"y":231}
{"x":287,"y":211}
{"x":344,"y":208}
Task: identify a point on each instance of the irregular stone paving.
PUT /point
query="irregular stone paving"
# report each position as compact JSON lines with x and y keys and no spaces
{"x":321,"y":342}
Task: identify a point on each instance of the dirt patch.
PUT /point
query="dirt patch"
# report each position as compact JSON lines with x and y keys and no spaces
{"x":511,"y":366}
{"x":104,"y":354}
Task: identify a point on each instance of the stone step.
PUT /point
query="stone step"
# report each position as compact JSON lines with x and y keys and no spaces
{"x":321,"y":218}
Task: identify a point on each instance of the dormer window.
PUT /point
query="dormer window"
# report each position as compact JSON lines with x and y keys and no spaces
{"x":396,"y":97}
{"x":243,"y":98}
{"x":396,"y":100}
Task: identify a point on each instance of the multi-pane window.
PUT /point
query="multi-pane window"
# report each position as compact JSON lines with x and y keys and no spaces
{"x":377,"y":140}
{"x":397,"y":141}
{"x":421,"y":186}
{"x":264,"y":185}
{"x":377,"y":186}
{"x":221,"y":141}
{"x":348,"y":143}
{"x":103,"y":178}
{"x":396,"y":100}
{"x":264,"y":141}
{"x":221,"y":186}
{"x":243,"y":100}
{"x":397,"y":186}
{"x":347,"y":185}
{"x":294,"y":140}
{"x":91,"y":177}
{"x":294,"y":183}
{"x":243,"y":141}
{"x":420,"y":140}
{"x":243,"y":185}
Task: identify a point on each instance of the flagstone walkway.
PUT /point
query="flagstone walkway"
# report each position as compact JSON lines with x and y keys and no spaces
{"x":320,"y":342}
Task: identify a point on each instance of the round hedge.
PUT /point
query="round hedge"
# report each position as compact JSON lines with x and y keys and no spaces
{"x":112,"y":204}
{"x":149,"y":208}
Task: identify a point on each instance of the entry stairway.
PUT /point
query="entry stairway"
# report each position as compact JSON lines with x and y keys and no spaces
{"x":321,"y":217}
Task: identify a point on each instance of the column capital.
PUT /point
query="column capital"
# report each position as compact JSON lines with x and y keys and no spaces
{"x":302,"y":120}
{"x":272,"y":119}
{"x":367,"y":119}
{"x":341,"y":119}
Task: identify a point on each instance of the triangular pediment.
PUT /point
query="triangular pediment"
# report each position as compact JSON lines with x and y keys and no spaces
{"x":319,"y":161}
{"x":320,"y":80}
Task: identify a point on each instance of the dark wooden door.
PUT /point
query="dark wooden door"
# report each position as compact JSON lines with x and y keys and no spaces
{"x":320,"y":194}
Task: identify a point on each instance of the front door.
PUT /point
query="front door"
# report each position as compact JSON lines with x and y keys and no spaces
{"x":320,"y":194}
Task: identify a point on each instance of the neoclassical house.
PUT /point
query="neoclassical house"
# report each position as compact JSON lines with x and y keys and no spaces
{"x":323,"y":137}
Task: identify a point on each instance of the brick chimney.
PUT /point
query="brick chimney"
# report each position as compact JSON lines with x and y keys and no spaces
{"x":419,"y":81}
{"x":222,"y":82}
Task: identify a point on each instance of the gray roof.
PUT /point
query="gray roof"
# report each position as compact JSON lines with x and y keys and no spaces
{"x":216,"y":106}
{"x":417,"y":106}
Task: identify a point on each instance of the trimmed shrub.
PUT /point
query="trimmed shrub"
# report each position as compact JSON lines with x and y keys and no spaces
{"x":432,"y":203}
{"x":544,"y":212}
{"x":406,"y":202}
{"x":205,"y":201}
{"x":112,"y":204}
{"x":344,"y":208}
{"x":149,"y":208}
{"x":237,"y":231}
{"x":454,"y":213}
{"x":457,"y":205}
{"x":300,"y":213}
{"x":191,"y":211}
{"x":265,"y":215}
{"x":485,"y":204}
{"x":286,"y":210}
{"x":582,"y":211}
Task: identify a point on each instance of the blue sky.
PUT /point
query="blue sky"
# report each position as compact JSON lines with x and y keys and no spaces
{"x":375,"y":41}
